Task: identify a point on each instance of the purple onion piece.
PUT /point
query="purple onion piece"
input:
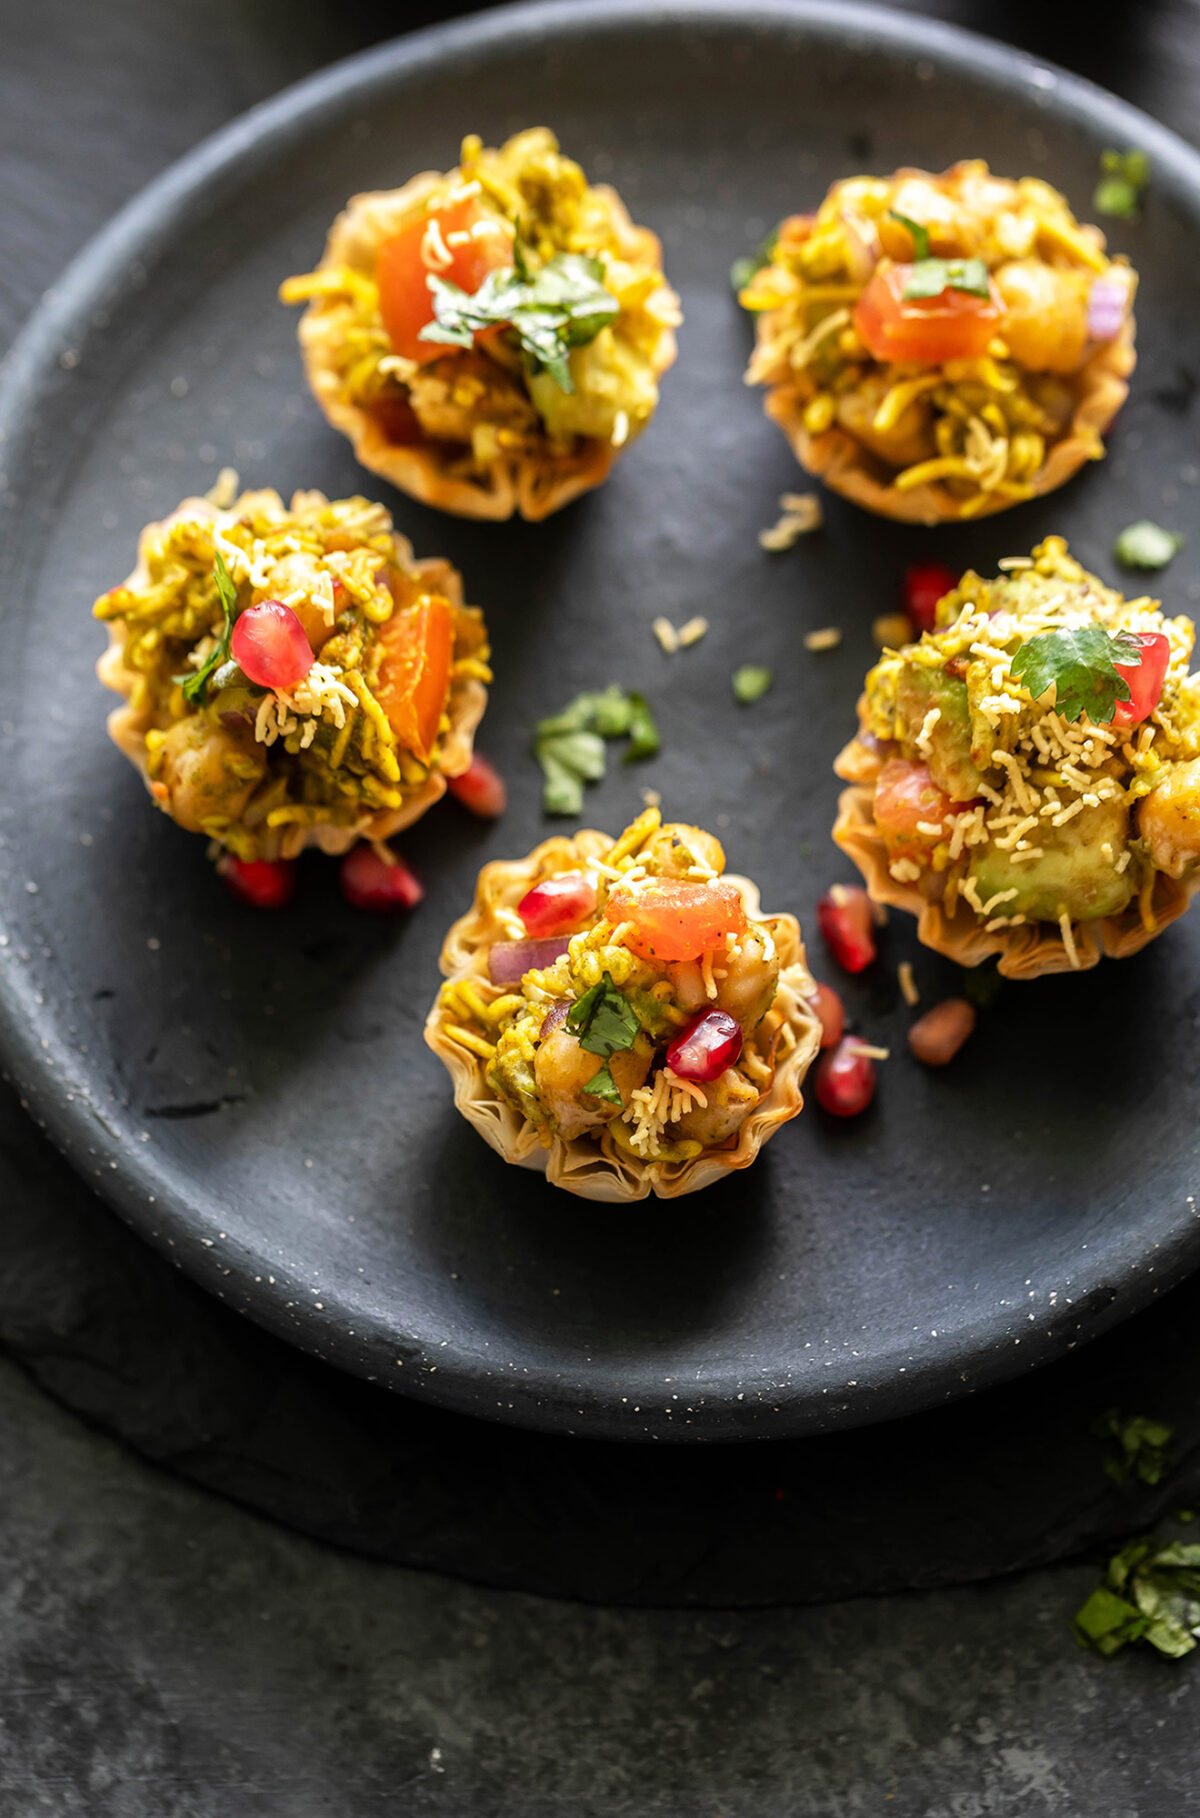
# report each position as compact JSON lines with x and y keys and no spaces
{"x":1107,"y":306}
{"x":509,"y":961}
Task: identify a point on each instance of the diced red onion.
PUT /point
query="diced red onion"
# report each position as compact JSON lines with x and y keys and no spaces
{"x":509,"y":961}
{"x":1107,"y":306}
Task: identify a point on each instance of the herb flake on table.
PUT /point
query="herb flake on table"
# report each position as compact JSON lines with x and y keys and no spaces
{"x":1150,"y":1592}
{"x":1139,"y":1446}
{"x":564,"y":304}
{"x":1146,"y":545}
{"x":750,"y":683}
{"x":570,"y":746}
{"x":1123,"y":177}
{"x":1079,"y":663}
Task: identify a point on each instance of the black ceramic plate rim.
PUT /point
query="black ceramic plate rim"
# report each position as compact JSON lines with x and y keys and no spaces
{"x":101,"y":1140}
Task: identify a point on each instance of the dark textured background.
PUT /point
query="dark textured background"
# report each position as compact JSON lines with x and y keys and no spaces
{"x":162,"y":1652}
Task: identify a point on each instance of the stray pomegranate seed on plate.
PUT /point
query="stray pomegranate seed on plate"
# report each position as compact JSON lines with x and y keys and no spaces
{"x":480,"y":788}
{"x":383,"y":885}
{"x":847,"y":923}
{"x":263,"y":883}
{"x":845,"y":1079}
{"x":828,"y":1006}
{"x":924,"y":586}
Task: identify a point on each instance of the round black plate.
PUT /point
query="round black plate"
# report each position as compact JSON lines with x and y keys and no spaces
{"x":253,"y":1093}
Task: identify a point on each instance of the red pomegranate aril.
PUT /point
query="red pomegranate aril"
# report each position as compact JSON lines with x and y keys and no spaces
{"x":480,"y":788}
{"x":269,"y":646}
{"x":704,"y":1047}
{"x":924,"y":585}
{"x":847,"y":923}
{"x":382,"y":885}
{"x":1145,"y":679}
{"x":263,"y":883}
{"x":845,"y":1079}
{"x":828,"y":1006}
{"x":558,"y":904}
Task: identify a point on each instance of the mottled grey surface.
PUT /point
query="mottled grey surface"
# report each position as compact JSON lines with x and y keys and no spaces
{"x":164,"y":1655}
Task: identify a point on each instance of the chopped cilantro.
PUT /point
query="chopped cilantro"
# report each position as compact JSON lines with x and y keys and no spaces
{"x":1146,"y":545}
{"x":1123,"y":177}
{"x":742,"y":270}
{"x":1080,"y":665}
{"x":930,"y":277}
{"x":606,"y":1024}
{"x":1140,"y":1446}
{"x":1150,"y":1592}
{"x":194,"y":682}
{"x":569,"y":745}
{"x":562,"y":305}
{"x":603,"y":1085}
{"x":750,"y":683}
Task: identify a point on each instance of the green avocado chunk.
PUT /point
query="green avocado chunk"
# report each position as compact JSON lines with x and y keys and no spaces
{"x":950,"y":763}
{"x":1073,"y":873}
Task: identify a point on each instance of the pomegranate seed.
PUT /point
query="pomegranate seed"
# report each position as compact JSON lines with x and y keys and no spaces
{"x":847,"y":923}
{"x":269,"y":646}
{"x":263,"y":883}
{"x":480,"y":788}
{"x":924,"y":586}
{"x":707,"y":1045}
{"x":383,"y":885}
{"x":936,"y":1037}
{"x":845,"y":1079}
{"x":557,"y":904}
{"x":828,"y":1006}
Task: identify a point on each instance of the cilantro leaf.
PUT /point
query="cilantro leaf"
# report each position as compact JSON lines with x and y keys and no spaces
{"x":602,"y":1085}
{"x":562,"y":305}
{"x":742,"y":270}
{"x":1150,"y":1592}
{"x":1146,"y":545}
{"x":1141,"y":1446}
{"x":750,"y":683}
{"x":930,"y":277}
{"x":194,"y":682}
{"x":605,"y":1021}
{"x":569,"y":745}
{"x":1124,"y":176}
{"x":1080,"y":665}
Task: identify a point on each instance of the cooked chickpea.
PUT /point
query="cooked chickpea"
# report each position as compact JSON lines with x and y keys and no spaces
{"x":208,"y":771}
{"x":1045,"y":324}
{"x":730,"y":1099}
{"x":562,"y":1070}
{"x":1169,"y":820}
{"x":675,"y":849}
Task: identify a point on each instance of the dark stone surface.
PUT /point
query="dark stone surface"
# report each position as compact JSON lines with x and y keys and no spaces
{"x":166,"y":1655}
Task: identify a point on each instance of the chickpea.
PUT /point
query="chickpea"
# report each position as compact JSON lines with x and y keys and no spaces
{"x":208,"y":771}
{"x":562,"y":1069}
{"x":730,"y":1098}
{"x":299,"y":573}
{"x":749,"y":983}
{"x":1046,"y":321}
{"x":1169,"y":820}
{"x":676,"y":848}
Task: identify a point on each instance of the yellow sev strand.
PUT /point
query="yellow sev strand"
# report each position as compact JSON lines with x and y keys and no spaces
{"x":467,"y":1039}
{"x":334,"y":281}
{"x":898,"y":399}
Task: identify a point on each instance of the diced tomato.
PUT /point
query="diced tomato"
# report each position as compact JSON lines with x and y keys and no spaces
{"x":845,"y":1079}
{"x":263,"y":883}
{"x":907,"y":801}
{"x":828,"y":1006}
{"x":558,"y":905}
{"x":1145,"y":679}
{"x":847,"y":925}
{"x":923,"y":330}
{"x":384,"y":885}
{"x":475,"y":243}
{"x":480,"y":788}
{"x":676,"y":920}
{"x":925,"y":583}
{"x":413,"y":678}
